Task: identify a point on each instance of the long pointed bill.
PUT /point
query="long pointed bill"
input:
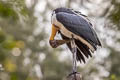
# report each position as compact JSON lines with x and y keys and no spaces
{"x":54,"y":31}
{"x":56,"y":43}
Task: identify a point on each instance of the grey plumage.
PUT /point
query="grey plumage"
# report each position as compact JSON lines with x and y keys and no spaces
{"x":80,"y":25}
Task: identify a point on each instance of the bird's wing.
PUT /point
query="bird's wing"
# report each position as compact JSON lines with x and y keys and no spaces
{"x":79,"y":26}
{"x":82,"y":49}
{"x":79,"y":54}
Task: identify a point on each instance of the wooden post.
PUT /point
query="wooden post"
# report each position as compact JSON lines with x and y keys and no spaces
{"x":74,"y":76}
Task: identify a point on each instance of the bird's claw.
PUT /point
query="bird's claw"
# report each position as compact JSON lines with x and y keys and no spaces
{"x":73,"y":73}
{"x":56,"y":43}
{"x":53,"y":43}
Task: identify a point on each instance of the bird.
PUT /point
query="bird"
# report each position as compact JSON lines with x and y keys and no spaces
{"x":69,"y":24}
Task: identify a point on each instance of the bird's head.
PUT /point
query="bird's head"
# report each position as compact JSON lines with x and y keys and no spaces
{"x":62,"y":9}
{"x":55,"y":28}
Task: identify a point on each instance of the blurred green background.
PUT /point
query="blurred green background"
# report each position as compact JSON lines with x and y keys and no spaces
{"x":25,"y":53}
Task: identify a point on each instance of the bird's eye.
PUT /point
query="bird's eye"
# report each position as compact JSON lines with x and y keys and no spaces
{"x":53,"y":13}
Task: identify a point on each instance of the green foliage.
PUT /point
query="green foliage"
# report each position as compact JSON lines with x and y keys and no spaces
{"x":114,"y":77}
{"x":9,"y":44}
{"x":115,"y":65}
{"x":6,"y":11}
{"x":115,"y":13}
{"x":14,"y":76}
{"x":2,"y":36}
{"x":24,"y":12}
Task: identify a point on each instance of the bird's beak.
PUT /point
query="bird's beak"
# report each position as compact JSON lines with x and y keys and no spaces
{"x":54,"y":31}
{"x":52,"y":41}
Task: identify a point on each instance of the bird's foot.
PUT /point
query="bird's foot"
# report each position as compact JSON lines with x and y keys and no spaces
{"x":74,"y":76}
{"x":53,"y":43}
{"x":73,"y":73}
{"x":56,"y":43}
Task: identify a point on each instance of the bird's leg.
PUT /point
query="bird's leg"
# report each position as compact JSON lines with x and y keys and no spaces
{"x":74,"y":51}
{"x":74,"y":73}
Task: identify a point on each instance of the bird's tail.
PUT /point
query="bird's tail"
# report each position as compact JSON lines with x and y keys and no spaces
{"x":82,"y":51}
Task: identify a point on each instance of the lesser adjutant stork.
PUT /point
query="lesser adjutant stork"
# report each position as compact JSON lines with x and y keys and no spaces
{"x":73,"y":24}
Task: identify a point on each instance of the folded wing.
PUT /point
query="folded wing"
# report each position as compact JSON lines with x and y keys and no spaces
{"x":79,"y":26}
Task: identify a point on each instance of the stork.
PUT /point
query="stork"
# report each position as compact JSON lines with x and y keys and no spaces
{"x":71,"y":24}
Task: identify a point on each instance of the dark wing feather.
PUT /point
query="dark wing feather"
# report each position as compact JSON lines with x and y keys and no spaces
{"x":79,"y":26}
{"x":84,"y":49}
{"x":80,"y":56}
